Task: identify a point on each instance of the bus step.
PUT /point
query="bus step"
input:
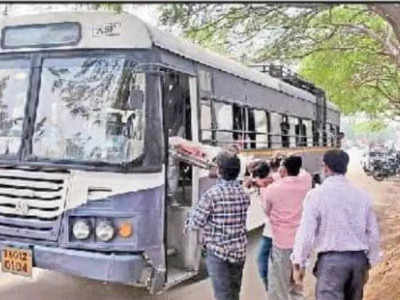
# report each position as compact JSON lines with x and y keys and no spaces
{"x":176,"y":276}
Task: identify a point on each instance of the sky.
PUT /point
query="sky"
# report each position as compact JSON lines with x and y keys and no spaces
{"x":146,"y":12}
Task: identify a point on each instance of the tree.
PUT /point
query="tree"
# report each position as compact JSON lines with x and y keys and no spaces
{"x":351,"y":51}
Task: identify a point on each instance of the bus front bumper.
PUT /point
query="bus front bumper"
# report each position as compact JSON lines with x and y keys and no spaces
{"x":128,"y":269}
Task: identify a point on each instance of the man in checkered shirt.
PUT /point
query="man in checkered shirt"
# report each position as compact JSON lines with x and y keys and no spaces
{"x":221,"y":213}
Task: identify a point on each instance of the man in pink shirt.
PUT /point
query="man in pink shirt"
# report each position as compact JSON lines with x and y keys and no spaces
{"x":283,"y":204}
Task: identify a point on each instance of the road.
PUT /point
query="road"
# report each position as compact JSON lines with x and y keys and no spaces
{"x":51,"y":285}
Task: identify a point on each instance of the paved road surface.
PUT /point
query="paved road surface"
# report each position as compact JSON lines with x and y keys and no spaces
{"x":47,"y":285}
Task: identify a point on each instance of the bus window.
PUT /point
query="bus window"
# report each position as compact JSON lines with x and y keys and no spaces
{"x":298,"y":132}
{"x":285,"y":131}
{"x":251,"y":129}
{"x":324,"y":135}
{"x":301,"y":134}
{"x":285,"y":128}
{"x":339,"y":136}
{"x":292,"y":131}
{"x":261,"y":128}
{"x":315,"y":134}
{"x":332,"y":135}
{"x":14,"y":81}
{"x":205,"y":120}
{"x":239,"y":125}
{"x":275,"y":130}
{"x":205,"y":81}
{"x":175,"y":105}
{"x":308,"y":138}
{"x":223,"y":116}
{"x":103,"y":103}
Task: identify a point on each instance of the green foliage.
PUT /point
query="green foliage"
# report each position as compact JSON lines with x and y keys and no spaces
{"x":351,"y":69}
{"x":342,"y":48}
{"x":113,"y":7}
{"x":369,"y":126}
{"x":371,"y":131}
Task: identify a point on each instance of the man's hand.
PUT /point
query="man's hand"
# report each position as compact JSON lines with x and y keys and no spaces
{"x":248,"y":182}
{"x":298,"y":274}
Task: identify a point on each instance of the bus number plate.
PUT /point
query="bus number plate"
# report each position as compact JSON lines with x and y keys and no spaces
{"x":17,"y":261}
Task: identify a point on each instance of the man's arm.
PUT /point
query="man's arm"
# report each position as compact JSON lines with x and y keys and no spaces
{"x":198,"y":216}
{"x":373,"y":237}
{"x":266,"y":200}
{"x":306,"y":233}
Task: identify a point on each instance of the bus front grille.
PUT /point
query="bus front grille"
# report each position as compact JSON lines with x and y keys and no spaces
{"x":31,"y":202}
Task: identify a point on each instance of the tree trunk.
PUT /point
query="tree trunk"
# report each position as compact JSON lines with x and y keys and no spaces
{"x":391,"y":13}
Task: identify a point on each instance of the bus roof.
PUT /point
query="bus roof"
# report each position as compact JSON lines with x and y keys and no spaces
{"x":103,"y":30}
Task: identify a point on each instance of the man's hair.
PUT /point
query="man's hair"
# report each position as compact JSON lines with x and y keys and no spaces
{"x":228,"y":165}
{"x":235,"y":149}
{"x":261,"y":170}
{"x":336,"y":160}
{"x":293,"y":165}
{"x":275,"y":163}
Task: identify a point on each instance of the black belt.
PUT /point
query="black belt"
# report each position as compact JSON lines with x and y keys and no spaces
{"x":342,"y":252}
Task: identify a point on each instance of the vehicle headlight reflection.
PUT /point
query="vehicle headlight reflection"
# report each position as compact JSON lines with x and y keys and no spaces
{"x":81,"y":229}
{"x":105,"y":230}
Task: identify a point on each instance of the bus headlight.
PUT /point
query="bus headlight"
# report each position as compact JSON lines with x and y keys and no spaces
{"x":104,"y":230}
{"x":81,"y":229}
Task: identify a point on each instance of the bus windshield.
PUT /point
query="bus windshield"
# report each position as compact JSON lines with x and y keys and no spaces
{"x":14,"y":81}
{"x":90,"y":109}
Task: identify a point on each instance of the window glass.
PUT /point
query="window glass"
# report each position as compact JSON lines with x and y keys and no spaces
{"x":46,"y":35}
{"x":316,"y":134}
{"x":308,"y":131}
{"x":14,"y":82}
{"x":205,"y":81}
{"x":293,"y":122}
{"x":205,"y":121}
{"x":275,"y":131}
{"x":90,"y":109}
{"x":285,"y":131}
{"x":261,"y":127}
{"x":239,"y":125}
{"x":251,"y":129}
{"x":325,"y":135}
{"x":332,"y":135}
{"x":223,"y":115}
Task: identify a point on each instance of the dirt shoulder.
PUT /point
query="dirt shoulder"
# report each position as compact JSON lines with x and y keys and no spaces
{"x":384,"y":281}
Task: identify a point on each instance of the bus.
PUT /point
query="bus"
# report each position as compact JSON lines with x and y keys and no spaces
{"x":87,"y":105}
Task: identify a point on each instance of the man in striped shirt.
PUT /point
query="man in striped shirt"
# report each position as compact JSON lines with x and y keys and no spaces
{"x":221,"y":213}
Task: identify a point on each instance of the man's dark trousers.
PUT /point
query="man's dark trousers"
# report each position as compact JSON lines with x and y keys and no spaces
{"x":226,"y":277}
{"x":341,"y":275}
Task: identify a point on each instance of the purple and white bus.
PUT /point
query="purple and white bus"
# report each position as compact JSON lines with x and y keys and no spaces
{"x":84,"y":180}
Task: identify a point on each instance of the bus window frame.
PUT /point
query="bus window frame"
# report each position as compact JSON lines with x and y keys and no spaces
{"x":36,"y":59}
{"x":215,"y":128}
{"x":25,"y":125}
{"x":256,"y":132}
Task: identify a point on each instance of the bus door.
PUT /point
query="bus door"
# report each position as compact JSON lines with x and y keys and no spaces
{"x":180,"y":119}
